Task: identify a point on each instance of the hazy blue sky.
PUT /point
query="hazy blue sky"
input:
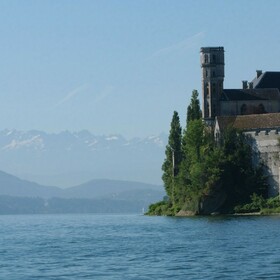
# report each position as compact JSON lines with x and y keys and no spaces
{"x":123,"y":66}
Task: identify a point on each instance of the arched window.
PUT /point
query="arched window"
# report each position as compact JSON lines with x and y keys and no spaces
{"x":261,"y":109}
{"x":243,"y":109}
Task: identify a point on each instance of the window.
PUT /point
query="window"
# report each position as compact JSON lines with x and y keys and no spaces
{"x":207,"y":89}
{"x":205,"y":58}
{"x":243,"y":109}
{"x":213,"y":88}
{"x":214,"y":58}
{"x":207,"y":109}
{"x":261,"y":109}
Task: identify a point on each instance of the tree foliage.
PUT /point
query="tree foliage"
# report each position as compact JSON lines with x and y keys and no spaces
{"x":197,"y":169}
{"x":173,"y":156}
{"x":193,"y":110}
{"x":240,"y":177}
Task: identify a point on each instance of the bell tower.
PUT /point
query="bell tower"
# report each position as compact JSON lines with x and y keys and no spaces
{"x":213,"y":68}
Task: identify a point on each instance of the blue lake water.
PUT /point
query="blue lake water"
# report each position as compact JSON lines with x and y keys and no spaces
{"x":138,"y":247}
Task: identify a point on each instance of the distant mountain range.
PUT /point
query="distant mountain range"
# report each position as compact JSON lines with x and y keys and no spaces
{"x":69,"y":158}
{"x":97,"y":196}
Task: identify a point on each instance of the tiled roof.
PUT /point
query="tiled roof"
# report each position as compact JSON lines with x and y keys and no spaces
{"x":250,"y":122}
{"x":268,"y":80}
{"x":225,"y":121}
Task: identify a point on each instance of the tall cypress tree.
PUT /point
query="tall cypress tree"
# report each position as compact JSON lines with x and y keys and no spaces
{"x":193,"y":110}
{"x":193,"y":124}
{"x":173,"y":157}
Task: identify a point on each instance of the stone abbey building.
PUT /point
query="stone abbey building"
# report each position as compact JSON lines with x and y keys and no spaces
{"x":254,"y":108}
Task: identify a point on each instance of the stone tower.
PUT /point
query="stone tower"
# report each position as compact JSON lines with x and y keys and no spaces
{"x":212,"y":65}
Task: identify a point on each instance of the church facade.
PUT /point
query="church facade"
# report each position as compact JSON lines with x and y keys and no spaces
{"x":254,"y":108}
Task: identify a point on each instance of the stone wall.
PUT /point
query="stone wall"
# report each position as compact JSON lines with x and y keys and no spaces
{"x":233,"y":108}
{"x":266,"y":148}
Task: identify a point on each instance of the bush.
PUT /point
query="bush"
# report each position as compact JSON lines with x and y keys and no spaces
{"x":158,"y":209}
{"x":268,"y":211}
{"x":258,"y":202}
{"x":246,"y":208}
{"x":273,"y":202}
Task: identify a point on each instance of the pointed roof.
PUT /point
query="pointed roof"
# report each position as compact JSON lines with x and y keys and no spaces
{"x":265,"y":87}
{"x":267,"y":80}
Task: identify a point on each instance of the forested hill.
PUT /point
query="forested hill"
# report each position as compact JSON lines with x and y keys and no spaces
{"x":14,"y":186}
{"x":21,"y":196}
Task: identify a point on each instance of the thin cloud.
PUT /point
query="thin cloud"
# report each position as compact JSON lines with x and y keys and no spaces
{"x":71,"y":94}
{"x":108,"y":90}
{"x":183,"y":45}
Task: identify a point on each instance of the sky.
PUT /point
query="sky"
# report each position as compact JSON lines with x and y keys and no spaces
{"x":123,"y":67}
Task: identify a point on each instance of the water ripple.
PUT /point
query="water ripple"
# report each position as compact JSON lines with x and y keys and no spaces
{"x":137,"y":247}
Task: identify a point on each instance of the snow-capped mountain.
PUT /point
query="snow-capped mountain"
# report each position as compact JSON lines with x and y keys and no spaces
{"x":70,"y":158}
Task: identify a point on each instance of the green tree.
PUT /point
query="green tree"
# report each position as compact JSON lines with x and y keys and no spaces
{"x":240,"y":177}
{"x":190,"y":168}
{"x":201,"y":175}
{"x":193,"y":110}
{"x":191,"y":141}
{"x":194,"y":140}
{"x":173,"y":157}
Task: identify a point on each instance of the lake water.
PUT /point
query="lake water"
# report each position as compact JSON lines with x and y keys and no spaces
{"x":138,"y":247}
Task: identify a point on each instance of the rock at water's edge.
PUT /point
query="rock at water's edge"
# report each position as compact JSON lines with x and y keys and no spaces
{"x":183,"y":213}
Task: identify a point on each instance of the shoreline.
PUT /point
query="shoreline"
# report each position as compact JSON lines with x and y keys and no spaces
{"x":219,"y":215}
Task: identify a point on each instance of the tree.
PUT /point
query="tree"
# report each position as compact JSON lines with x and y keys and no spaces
{"x":173,"y":157}
{"x":191,"y":141}
{"x":203,"y":176}
{"x":240,"y":177}
{"x":197,"y":150}
{"x":193,"y":110}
